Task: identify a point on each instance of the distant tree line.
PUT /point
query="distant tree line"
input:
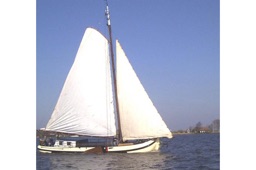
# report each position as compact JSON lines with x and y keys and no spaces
{"x":214,"y":127}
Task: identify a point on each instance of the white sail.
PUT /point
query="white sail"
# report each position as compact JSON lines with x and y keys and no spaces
{"x":139,"y":118}
{"x":85,"y":105}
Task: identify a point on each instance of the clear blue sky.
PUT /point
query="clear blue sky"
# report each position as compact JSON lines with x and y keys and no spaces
{"x":173,"y":45}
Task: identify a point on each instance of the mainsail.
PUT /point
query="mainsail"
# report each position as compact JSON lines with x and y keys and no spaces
{"x":85,"y":105}
{"x":139,"y":117}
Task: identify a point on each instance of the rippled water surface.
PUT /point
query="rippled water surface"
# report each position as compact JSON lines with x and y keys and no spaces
{"x":192,"y":151}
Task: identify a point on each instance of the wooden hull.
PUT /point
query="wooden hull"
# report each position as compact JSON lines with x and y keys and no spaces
{"x":148,"y":146}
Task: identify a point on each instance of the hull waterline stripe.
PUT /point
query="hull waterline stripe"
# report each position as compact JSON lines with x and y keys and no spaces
{"x":132,"y":149}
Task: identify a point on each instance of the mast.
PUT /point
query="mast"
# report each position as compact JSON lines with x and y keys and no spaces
{"x":113,"y":70}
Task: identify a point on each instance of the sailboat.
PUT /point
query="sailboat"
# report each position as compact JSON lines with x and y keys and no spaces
{"x":103,"y":106}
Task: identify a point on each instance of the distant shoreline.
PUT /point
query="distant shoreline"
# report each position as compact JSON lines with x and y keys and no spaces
{"x":178,"y":133}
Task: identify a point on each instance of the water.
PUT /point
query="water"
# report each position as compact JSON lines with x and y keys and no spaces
{"x":193,"y":151}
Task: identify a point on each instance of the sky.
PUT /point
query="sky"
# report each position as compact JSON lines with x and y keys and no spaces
{"x":173,"y":46}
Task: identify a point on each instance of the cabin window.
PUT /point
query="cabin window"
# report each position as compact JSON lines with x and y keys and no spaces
{"x":68,"y":143}
{"x":61,"y":142}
